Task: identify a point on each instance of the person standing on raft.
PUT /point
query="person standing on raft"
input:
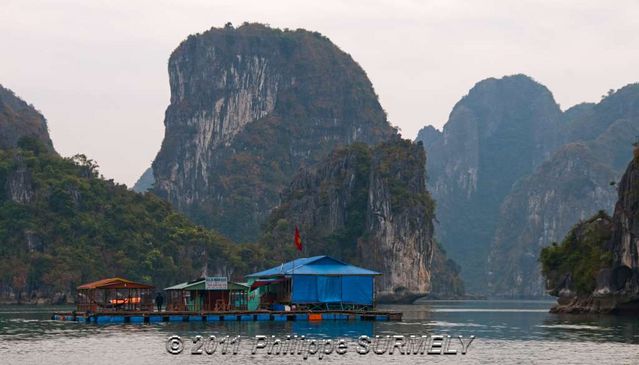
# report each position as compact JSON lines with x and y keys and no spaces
{"x":159,"y":300}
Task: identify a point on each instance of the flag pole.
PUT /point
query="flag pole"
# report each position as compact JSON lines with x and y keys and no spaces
{"x":293,"y":273}
{"x":298,"y":247}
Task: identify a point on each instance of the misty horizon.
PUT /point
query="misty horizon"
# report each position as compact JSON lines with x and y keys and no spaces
{"x":111,"y":78}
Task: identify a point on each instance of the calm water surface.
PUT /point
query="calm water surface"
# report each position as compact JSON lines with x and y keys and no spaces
{"x":506,"y":332}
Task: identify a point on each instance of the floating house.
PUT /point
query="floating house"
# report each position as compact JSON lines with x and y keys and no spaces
{"x":207,"y":294}
{"x":306,"y":289}
{"x":313,"y":283}
{"x":115,"y":294}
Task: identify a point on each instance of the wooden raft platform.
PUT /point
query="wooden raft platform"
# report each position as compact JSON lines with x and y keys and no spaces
{"x":154,"y":317}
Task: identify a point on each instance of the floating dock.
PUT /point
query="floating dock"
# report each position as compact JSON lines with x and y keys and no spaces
{"x":154,"y":317}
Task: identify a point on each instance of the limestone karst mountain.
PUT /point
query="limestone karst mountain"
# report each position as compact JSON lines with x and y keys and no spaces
{"x":368,"y":205}
{"x":249,"y":106}
{"x":577,"y":181}
{"x":502,"y":130}
{"x":19,"y":119}
{"x":511,"y":173}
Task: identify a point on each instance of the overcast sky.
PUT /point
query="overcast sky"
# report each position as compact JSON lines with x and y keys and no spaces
{"x":97,"y":69}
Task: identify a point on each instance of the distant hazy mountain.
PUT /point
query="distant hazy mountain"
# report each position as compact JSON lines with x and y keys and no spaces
{"x":502,"y":130}
{"x":539,"y":210}
{"x":570,"y":186}
{"x":145,"y":182}
{"x":511,"y":173}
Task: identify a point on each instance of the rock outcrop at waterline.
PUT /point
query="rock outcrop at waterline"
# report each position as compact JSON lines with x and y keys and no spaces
{"x":370,"y":206}
{"x":596,"y":268}
{"x":249,"y":106}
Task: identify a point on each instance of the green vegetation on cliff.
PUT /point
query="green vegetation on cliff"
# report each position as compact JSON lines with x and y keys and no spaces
{"x":330,"y":200}
{"x":61,"y":225}
{"x":343,"y":177}
{"x":367,"y":205}
{"x":596,"y":268}
{"x":580,"y":255}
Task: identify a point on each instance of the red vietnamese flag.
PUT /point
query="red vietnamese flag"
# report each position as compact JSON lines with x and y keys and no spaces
{"x":298,"y":239}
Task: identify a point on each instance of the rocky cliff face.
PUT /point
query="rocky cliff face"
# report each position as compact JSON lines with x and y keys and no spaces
{"x":399,"y":221}
{"x":19,"y":119}
{"x":625,"y":231}
{"x":249,"y":106}
{"x":499,"y":132}
{"x":540,"y":210}
{"x":367,"y":205}
{"x":596,"y":267}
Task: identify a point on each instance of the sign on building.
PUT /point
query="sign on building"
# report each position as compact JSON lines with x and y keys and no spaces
{"x":216,"y":283}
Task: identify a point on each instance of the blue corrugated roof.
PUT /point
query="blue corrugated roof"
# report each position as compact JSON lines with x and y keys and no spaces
{"x":316,"y":265}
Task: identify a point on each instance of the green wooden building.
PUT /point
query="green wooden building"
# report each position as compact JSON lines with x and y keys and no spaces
{"x":207,"y":294}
